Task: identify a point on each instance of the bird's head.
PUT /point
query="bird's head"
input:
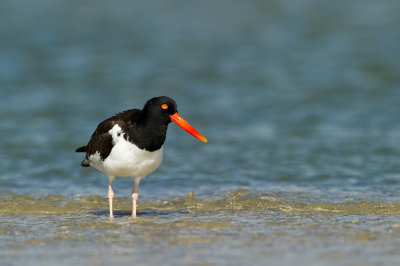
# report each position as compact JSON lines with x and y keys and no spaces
{"x":164,"y":109}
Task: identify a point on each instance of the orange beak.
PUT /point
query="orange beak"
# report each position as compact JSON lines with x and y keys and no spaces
{"x":187,"y":127}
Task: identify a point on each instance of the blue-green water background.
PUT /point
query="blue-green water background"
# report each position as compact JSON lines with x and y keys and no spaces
{"x":298,"y":99}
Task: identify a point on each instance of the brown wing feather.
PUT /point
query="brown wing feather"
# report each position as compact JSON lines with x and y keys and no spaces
{"x":101,"y":140}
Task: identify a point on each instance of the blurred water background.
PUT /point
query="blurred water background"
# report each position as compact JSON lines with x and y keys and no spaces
{"x":300,"y":102}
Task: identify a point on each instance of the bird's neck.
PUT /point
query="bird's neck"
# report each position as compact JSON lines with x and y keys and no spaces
{"x":149,"y":135}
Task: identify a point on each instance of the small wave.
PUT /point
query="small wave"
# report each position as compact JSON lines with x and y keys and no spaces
{"x":236,"y":201}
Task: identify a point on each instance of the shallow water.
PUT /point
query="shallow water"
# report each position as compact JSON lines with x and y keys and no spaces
{"x":241,"y":226}
{"x":298,"y":99}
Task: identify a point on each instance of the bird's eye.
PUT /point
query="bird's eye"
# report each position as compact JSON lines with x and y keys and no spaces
{"x":164,"y":106}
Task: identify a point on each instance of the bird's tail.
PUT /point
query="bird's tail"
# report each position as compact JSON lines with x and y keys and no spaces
{"x":85,"y":163}
{"x":81,"y":149}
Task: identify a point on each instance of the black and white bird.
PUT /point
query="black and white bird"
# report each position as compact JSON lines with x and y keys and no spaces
{"x":130,"y":144}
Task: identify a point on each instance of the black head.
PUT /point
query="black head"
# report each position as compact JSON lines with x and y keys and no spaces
{"x":160,"y":109}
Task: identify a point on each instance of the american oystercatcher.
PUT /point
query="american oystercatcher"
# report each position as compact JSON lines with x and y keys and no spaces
{"x":130,"y":144}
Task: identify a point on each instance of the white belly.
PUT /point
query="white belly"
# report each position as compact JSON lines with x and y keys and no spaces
{"x":126,"y":159}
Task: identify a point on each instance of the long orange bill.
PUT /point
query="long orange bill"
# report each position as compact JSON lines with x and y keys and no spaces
{"x":187,"y":127}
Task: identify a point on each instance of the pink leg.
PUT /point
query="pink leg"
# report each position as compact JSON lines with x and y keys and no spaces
{"x":135,"y":197}
{"x":110,"y":200}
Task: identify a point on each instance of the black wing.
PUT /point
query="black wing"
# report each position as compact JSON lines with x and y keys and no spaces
{"x":101,"y":140}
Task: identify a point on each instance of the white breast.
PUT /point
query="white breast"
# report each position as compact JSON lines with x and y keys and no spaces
{"x":126,"y":159}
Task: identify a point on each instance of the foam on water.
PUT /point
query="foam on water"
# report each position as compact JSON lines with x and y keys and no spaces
{"x":235,"y":202}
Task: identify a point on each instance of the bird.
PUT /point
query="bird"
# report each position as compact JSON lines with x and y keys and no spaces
{"x":130,"y":143}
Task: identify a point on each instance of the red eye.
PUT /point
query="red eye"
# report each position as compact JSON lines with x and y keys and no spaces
{"x":164,"y":106}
